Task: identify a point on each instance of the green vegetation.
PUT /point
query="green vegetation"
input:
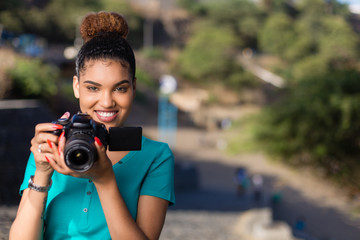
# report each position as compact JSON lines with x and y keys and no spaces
{"x":316,"y":118}
{"x":155,"y":53}
{"x":214,"y":45}
{"x":316,"y":121}
{"x":317,"y":124}
{"x":57,"y":20}
{"x":33,"y":78}
{"x":142,"y":77}
{"x":220,"y":30}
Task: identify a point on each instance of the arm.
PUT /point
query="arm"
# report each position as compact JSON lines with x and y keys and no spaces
{"x":151,"y":210}
{"x":151,"y":215}
{"x":28,"y":223}
{"x":150,"y":219}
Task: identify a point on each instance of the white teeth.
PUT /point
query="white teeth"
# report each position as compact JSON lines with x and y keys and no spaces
{"x":106,"y":114}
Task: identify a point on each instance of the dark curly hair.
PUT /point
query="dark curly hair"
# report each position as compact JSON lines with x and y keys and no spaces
{"x":104,"y":35}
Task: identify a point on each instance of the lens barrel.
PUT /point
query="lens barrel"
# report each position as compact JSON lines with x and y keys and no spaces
{"x":80,"y":152}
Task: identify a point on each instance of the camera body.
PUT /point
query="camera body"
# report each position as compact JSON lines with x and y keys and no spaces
{"x":80,"y":152}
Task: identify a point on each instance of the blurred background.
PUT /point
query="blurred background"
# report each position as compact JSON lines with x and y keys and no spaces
{"x":258,"y":99}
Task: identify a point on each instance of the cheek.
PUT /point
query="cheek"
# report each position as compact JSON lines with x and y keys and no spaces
{"x":125,"y":101}
{"x":87,"y":99}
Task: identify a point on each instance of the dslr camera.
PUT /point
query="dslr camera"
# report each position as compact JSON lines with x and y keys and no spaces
{"x":80,"y":152}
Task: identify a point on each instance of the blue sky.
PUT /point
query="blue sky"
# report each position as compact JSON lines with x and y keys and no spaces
{"x":350,"y":1}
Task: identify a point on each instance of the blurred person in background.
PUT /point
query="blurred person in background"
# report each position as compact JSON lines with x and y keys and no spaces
{"x":125,"y":194}
{"x":241,"y":180}
{"x":257,"y":187}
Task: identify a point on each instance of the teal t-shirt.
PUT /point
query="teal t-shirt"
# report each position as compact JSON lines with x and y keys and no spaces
{"x":73,"y":209}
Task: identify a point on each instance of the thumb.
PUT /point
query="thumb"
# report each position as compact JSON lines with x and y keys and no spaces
{"x":66,"y":115}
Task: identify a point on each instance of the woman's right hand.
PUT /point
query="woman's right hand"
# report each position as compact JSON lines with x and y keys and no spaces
{"x":42,"y":144}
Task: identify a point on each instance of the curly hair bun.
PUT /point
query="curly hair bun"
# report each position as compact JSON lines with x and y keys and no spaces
{"x":103,"y":22}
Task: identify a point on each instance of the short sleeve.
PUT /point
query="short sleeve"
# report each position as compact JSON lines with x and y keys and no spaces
{"x":30,"y":170}
{"x":159,"y":181}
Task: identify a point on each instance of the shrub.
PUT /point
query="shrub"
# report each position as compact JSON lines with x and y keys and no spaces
{"x":317,"y":123}
{"x":34,"y":78}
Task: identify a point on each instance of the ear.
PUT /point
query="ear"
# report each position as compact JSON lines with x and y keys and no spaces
{"x":134,"y":87}
{"x":76,"y":85}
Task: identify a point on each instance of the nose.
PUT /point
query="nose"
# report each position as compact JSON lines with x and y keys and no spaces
{"x":107,"y":100}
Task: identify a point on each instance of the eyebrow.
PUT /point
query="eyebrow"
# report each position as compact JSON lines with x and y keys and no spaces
{"x":98,"y":84}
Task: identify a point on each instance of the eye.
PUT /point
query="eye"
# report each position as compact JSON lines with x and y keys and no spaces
{"x":121,"y":89}
{"x":92,"y":88}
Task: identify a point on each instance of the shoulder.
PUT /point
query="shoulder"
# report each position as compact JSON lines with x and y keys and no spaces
{"x":155,"y":147}
{"x":149,"y":144}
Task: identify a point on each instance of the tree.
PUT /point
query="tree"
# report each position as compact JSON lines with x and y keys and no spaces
{"x":218,"y":33}
{"x":57,"y":20}
{"x":277,"y":34}
{"x":317,"y":124}
{"x":241,"y":16}
{"x":207,"y":55}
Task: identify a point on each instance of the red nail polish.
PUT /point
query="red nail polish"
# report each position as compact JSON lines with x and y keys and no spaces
{"x":61,"y":136}
{"x":60,"y":139}
{"x":57,"y":126}
{"x":97,"y":140}
{"x":49,"y":143}
{"x":47,"y":159}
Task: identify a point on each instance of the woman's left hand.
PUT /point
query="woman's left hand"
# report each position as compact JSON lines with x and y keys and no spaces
{"x":100,"y":171}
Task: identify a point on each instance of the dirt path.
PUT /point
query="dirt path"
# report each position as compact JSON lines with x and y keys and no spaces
{"x":325,"y":207}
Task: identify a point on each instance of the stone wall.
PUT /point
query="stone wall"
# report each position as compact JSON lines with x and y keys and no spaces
{"x":17,"y":121}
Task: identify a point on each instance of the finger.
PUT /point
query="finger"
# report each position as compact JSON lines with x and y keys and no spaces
{"x":47,"y":147}
{"x":66,"y":115}
{"x":42,"y":162}
{"x":55,"y":156}
{"x":50,"y":144}
{"x":40,"y":148}
{"x":53,"y":163}
{"x":99,"y":145}
{"x":47,"y":127}
{"x":47,"y":159}
{"x":58,"y":164}
{"x":46,"y":141}
{"x":61,"y":144}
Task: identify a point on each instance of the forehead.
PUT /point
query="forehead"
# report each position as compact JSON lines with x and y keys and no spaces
{"x":105,"y":62}
{"x":105,"y":65}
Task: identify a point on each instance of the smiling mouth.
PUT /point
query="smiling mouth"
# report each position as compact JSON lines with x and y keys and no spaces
{"x":106,"y":116}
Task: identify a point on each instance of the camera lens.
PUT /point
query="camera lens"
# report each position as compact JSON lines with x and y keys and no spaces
{"x":80,"y":152}
{"x":78,"y":157}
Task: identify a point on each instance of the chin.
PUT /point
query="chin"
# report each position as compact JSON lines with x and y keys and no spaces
{"x":109,"y":125}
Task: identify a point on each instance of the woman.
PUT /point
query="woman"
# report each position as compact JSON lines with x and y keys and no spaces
{"x":125,"y":195}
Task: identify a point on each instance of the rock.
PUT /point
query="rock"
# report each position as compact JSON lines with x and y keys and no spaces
{"x":257,"y":224}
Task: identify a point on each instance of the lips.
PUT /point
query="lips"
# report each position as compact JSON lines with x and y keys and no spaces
{"x":106,"y":116}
